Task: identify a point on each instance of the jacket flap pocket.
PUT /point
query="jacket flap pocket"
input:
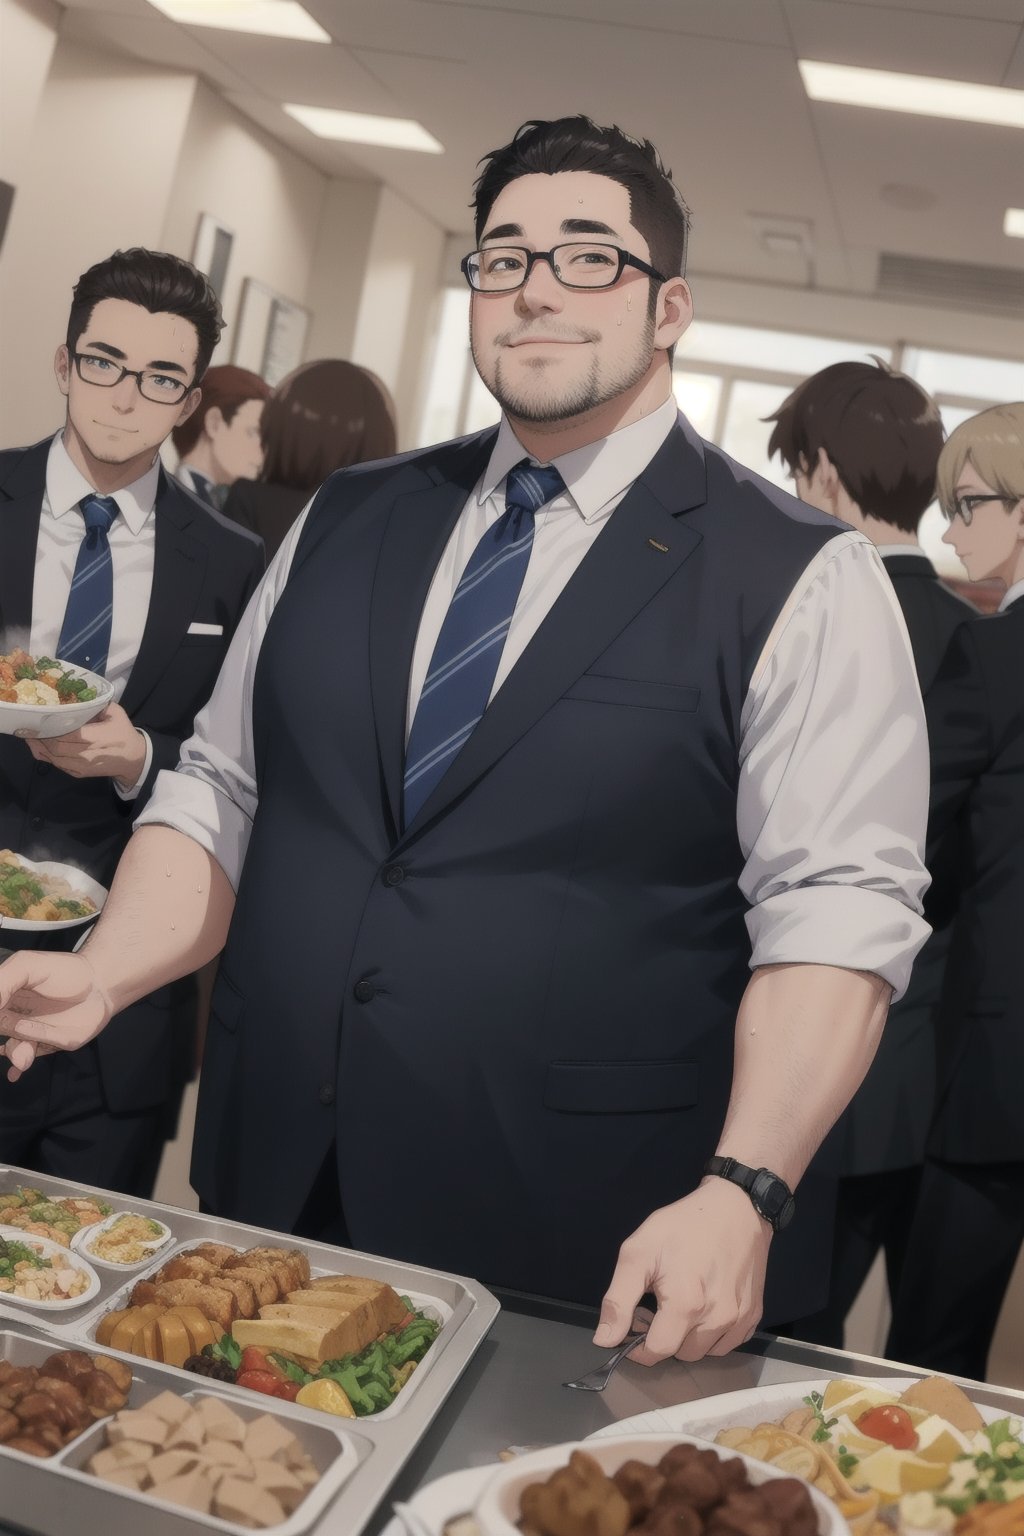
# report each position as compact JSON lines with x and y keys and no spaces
{"x":600,"y":689}
{"x":226,"y":1004}
{"x":620,"y":1087}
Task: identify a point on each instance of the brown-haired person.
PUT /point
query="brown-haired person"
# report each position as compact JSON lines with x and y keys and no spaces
{"x":324,"y":416}
{"x":220,"y":441}
{"x":533,"y":746}
{"x":862,"y":443}
{"x":969,"y":1219}
{"x":107,"y":561}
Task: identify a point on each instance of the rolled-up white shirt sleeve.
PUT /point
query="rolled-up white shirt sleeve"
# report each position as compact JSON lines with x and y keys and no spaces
{"x":211,"y":796}
{"x":832,"y":805}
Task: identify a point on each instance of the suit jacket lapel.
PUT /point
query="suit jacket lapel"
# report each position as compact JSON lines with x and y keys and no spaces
{"x":418,"y":530}
{"x":179,"y":565}
{"x":618,"y":576}
{"x":20,"y":507}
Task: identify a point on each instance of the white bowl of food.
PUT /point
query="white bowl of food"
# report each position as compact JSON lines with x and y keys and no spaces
{"x":37,"y":1273}
{"x":43,"y":895}
{"x":43,"y":697}
{"x":125,"y":1240}
{"x":585,"y":1470}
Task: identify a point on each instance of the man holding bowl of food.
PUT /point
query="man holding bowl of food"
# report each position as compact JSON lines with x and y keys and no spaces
{"x":531,"y":748}
{"x":119,"y":593}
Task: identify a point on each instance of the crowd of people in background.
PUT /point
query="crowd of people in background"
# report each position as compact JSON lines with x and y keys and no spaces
{"x":929,"y":1158}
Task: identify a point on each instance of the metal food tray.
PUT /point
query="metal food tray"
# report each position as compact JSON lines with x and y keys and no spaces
{"x":37,"y":1492}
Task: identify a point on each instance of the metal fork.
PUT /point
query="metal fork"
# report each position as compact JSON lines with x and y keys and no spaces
{"x":597,"y":1379}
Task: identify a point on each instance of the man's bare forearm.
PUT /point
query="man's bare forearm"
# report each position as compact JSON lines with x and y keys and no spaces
{"x":167,"y":914}
{"x":805,"y":1037}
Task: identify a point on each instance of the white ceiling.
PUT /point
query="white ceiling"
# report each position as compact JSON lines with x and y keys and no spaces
{"x":713,"y":83}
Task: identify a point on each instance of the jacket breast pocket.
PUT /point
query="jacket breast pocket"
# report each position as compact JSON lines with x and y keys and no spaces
{"x":598,"y":688}
{"x":620,"y":1087}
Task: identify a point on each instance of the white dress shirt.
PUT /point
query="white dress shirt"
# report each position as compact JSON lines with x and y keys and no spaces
{"x":132,"y":540}
{"x":1011,"y":595}
{"x":833,"y":790}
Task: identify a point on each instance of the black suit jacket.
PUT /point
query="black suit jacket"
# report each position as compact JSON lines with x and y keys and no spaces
{"x":886,"y":1126}
{"x":204,"y":571}
{"x":267,"y":510}
{"x":976,"y":726}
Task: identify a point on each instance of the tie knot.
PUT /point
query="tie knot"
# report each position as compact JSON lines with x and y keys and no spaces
{"x":529,"y":486}
{"x":98,"y":512}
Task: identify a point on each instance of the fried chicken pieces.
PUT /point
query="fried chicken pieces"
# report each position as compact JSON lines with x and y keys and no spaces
{"x":43,"y":1407}
{"x":223,"y":1283}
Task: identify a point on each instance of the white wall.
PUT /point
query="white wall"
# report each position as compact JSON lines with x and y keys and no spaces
{"x":96,"y":176}
{"x":396,"y":311}
{"x":339,"y":264}
{"x":270,"y":199}
{"x":28,"y":33}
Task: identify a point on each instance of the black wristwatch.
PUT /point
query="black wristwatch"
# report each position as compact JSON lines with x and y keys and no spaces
{"x":770,"y":1196}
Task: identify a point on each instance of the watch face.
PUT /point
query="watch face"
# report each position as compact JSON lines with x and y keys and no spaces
{"x":772,"y":1199}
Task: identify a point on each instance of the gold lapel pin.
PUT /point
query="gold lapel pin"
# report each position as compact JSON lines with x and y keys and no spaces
{"x":655,"y":545}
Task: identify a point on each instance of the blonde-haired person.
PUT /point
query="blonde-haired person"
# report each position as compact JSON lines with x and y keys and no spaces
{"x":969,"y":1221}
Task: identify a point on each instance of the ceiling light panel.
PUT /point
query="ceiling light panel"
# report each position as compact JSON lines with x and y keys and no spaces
{"x":924,"y":95}
{"x":1013,"y":222}
{"x":263,"y":18}
{"x":365,"y":128}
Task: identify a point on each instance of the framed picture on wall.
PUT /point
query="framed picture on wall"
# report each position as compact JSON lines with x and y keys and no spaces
{"x":270,"y":332}
{"x":211,"y":251}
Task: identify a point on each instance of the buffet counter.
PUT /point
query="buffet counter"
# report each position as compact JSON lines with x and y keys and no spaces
{"x":492,"y":1380}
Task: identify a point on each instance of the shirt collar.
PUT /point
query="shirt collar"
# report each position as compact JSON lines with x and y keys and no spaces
{"x":1013,"y":595}
{"x":594,"y":475}
{"x":66,"y":485}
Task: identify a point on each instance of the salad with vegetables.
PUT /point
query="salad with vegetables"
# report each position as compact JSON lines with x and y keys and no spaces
{"x":352,"y":1386}
{"x":57,"y":1219}
{"x":26,"y":679}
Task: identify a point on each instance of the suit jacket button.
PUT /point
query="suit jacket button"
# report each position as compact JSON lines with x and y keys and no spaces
{"x":394,"y":874}
{"x":326,"y":1094}
{"x":364,"y":991}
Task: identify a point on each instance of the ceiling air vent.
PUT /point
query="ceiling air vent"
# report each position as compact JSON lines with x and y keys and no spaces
{"x":956,"y":284}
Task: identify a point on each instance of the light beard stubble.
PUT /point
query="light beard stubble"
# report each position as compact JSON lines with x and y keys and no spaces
{"x":586,"y":395}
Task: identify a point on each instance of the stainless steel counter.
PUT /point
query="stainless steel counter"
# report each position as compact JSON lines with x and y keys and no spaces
{"x":512,"y":1394}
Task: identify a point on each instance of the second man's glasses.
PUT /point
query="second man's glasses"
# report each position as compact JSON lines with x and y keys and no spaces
{"x":500,"y":268}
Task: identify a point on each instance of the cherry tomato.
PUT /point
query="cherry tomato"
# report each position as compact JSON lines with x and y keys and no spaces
{"x":254,"y":1359}
{"x":891,"y":1424}
{"x":288,"y":1389}
{"x":259,"y":1381}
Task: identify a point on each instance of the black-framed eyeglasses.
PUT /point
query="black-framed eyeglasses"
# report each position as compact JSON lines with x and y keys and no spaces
{"x":502,"y":268}
{"x":964,"y":506}
{"x":152,"y":384}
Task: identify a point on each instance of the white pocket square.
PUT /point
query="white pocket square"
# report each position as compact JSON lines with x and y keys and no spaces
{"x":206,"y":629}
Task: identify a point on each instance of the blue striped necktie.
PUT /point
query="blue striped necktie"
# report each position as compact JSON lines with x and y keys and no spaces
{"x":85,"y":633}
{"x":465,"y":660}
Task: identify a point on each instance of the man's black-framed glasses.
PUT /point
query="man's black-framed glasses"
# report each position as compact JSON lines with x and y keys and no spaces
{"x":153,"y":385}
{"x":502,"y":268}
{"x":964,"y":506}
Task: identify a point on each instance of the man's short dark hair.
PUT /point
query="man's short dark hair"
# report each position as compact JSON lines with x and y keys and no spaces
{"x":880,"y":429}
{"x":159,"y":282}
{"x":579,"y":144}
{"x":225,"y":388}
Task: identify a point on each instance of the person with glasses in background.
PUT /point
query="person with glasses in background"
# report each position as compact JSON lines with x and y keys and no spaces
{"x":109,"y":563}
{"x":530,"y":747}
{"x":969,"y":1219}
{"x":219,"y":442}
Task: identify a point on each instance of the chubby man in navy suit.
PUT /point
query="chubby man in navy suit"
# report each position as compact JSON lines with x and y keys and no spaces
{"x":530,"y":748}
{"x":170,"y":585}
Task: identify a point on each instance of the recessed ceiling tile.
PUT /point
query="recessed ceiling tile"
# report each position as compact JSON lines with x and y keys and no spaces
{"x":151,"y":38}
{"x":313,"y":74}
{"x":1015,"y":69}
{"x":988,"y":10}
{"x":836,"y":32}
{"x":327,"y":156}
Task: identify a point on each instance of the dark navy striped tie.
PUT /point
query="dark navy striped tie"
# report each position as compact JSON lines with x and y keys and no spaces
{"x":85,"y":633}
{"x":465,"y":660}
